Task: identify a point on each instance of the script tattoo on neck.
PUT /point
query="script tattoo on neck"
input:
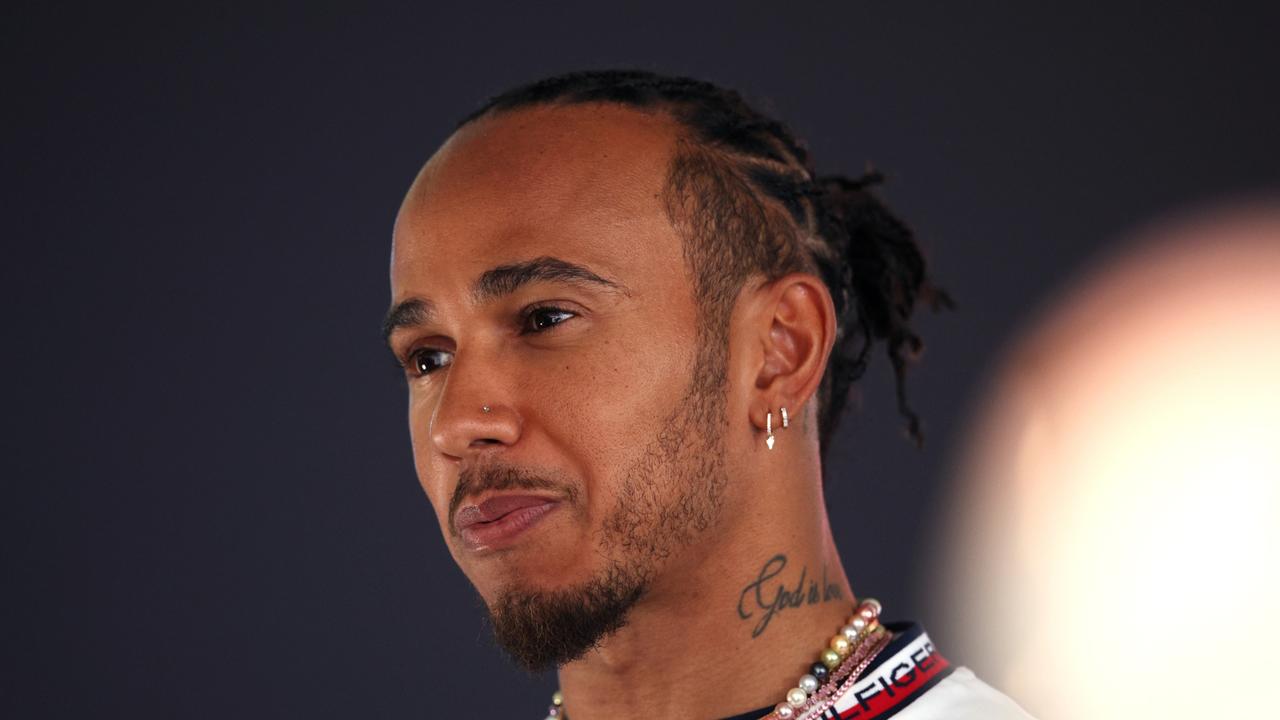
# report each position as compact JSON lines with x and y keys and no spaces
{"x":762,"y":598}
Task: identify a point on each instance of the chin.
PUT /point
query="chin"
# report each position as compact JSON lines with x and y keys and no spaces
{"x":541,"y":626}
{"x":527,"y":572}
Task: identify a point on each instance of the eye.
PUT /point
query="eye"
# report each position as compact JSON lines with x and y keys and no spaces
{"x":540,"y":319}
{"x":427,"y":360}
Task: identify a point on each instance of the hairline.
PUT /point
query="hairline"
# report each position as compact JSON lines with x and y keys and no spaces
{"x":713,"y":310}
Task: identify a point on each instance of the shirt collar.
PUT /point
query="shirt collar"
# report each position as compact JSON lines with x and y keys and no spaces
{"x":902,"y":671}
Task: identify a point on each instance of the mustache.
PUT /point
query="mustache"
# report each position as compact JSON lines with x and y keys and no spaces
{"x":477,"y":479}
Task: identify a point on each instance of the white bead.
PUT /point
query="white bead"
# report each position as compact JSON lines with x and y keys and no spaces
{"x":809,"y":684}
{"x":784,"y":711}
{"x":850,"y":633}
{"x":796,"y":697}
{"x":858,"y":623}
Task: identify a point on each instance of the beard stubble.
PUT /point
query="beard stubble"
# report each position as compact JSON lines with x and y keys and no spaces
{"x":668,"y":496}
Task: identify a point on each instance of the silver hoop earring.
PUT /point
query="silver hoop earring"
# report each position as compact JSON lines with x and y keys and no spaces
{"x":768,"y":425}
{"x":785,"y":421}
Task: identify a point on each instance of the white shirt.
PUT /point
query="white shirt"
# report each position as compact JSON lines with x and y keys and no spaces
{"x":911,"y":680}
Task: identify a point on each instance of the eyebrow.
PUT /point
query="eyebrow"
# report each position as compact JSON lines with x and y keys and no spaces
{"x":497,"y":282}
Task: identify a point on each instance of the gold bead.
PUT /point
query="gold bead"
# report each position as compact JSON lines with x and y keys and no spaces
{"x":557,"y":699}
{"x":830,"y":658}
{"x":841,"y":645}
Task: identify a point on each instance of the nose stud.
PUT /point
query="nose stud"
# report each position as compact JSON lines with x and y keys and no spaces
{"x":484,"y":408}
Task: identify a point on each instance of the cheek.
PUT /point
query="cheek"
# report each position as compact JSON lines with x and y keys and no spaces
{"x":608,"y":401}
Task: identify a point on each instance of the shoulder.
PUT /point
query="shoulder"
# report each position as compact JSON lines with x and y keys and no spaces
{"x":962,"y":696}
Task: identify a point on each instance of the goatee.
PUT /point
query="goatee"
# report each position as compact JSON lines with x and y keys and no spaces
{"x":544,"y":630}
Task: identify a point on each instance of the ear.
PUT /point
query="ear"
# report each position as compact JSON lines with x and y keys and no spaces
{"x":794,"y":322}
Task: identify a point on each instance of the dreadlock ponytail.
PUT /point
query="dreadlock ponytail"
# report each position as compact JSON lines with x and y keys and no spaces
{"x":879,"y":283}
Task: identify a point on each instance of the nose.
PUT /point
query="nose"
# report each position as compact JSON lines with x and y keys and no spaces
{"x":474,"y":413}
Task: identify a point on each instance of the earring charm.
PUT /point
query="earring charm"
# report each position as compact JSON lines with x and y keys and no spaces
{"x":768,"y":425}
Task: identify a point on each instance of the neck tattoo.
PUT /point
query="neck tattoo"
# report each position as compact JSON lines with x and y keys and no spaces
{"x":762,"y":599}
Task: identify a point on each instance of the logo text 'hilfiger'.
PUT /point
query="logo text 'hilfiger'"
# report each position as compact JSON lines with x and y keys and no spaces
{"x":895,"y":682}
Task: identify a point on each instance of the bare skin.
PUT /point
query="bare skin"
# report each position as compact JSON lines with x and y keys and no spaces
{"x":583,"y":394}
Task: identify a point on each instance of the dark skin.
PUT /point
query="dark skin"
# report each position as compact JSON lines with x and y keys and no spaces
{"x":580,"y":376}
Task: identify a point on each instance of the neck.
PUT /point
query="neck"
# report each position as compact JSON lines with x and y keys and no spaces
{"x":731,"y":626}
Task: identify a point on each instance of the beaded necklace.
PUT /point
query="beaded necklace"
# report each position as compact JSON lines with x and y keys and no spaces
{"x":848,"y":653}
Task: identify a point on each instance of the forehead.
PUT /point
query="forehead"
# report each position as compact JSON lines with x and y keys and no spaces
{"x":581,"y":182}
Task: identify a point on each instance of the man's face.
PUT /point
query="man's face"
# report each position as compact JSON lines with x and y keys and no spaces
{"x":551,"y":288}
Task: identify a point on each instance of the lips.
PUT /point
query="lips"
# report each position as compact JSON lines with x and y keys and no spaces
{"x":499,"y":521}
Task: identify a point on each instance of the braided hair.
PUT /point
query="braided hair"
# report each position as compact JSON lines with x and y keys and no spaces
{"x":743,"y":192}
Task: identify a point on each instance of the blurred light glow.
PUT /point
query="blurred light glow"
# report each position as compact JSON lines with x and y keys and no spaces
{"x":1114,"y":547}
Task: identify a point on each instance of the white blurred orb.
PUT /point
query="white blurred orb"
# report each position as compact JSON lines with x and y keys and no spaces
{"x":1114,"y":536}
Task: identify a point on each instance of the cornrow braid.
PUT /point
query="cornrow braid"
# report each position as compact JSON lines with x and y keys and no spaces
{"x":743,"y":192}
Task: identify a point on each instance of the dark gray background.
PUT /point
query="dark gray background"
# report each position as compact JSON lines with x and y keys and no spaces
{"x":209,"y":506}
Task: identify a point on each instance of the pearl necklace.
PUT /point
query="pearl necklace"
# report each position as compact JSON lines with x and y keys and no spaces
{"x":848,"y":653}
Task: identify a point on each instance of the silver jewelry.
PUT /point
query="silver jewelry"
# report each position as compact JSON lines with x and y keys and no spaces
{"x":768,"y":425}
{"x":484,"y":408}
